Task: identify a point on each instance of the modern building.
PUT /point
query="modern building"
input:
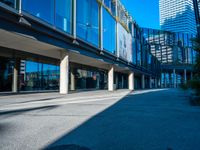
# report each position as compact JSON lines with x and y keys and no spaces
{"x":72,"y":45}
{"x":176,"y":54}
{"x":197,"y":15}
{"x":177,"y":16}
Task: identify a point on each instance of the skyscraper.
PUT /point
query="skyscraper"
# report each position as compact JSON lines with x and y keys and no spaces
{"x":197,"y":14}
{"x":177,"y":16}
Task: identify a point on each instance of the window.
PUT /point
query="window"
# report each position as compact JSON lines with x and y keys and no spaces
{"x":43,"y":9}
{"x":11,"y":3}
{"x":63,"y":15}
{"x":109,"y":33}
{"x":87,"y":21}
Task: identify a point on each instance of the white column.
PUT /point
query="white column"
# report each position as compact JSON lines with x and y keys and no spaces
{"x":15,"y":76}
{"x":64,"y":73}
{"x":150,"y":84}
{"x":174,"y":78}
{"x":143,"y":82}
{"x":131,"y":81}
{"x":185,"y":76}
{"x":111,"y":79}
{"x":72,"y":80}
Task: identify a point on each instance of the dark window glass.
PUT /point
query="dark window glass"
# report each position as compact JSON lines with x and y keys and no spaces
{"x":87,"y":21}
{"x":109,"y":33}
{"x":6,"y":74}
{"x":11,"y":3}
{"x":63,"y":15}
{"x":43,"y":9}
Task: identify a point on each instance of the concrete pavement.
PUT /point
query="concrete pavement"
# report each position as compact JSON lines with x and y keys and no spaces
{"x":101,"y":120}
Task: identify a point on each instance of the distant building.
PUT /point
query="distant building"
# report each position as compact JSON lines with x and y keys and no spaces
{"x":197,"y":14}
{"x":177,"y":16}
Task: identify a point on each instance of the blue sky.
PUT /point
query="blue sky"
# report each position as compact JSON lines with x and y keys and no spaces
{"x":145,"y":12}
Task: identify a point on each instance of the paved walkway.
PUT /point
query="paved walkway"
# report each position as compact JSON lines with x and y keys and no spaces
{"x":142,"y":120}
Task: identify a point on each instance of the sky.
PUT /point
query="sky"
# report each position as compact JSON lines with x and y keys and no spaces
{"x":145,"y":12}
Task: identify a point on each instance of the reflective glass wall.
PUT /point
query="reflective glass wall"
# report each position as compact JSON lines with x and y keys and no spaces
{"x":109,"y":32}
{"x":170,"y":47}
{"x":39,"y":76}
{"x":6,"y":74}
{"x":55,"y":12}
{"x":88,"y":21}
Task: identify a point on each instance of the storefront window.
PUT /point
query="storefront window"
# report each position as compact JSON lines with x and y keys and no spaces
{"x":39,"y":76}
{"x":90,"y":79}
{"x":87,"y":21}
{"x":6,"y":74}
{"x":109,"y":33}
{"x":43,"y":9}
{"x":63,"y":15}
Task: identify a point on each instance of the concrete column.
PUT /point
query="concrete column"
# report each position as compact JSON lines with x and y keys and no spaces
{"x":131,"y":81}
{"x":174,"y":78}
{"x":15,"y":80}
{"x":185,"y":76}
{"x":64,"y":73}
{"x":72,"y":77}
{"x":150,"y":84}
{"x":143,"y":82}
{"x":111,"y":79}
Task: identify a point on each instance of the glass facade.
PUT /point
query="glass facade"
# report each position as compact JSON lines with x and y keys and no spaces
{"x":87,"y":21}
{"x":89,"y":78}
{"x":11,"y":3}
{"x":6,"y":74}
{"x":39,"y":76}
{"x":170,"y":47}
{"x":109,"y":32}
{"x":130,"y":46}
{"x":63,"y":13}
{"x":55,"y":12}
{"x":36,"y":8}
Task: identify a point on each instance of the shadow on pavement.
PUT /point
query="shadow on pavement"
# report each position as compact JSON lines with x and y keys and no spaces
{"x":135,"y":122}
{"x":20,"y":111}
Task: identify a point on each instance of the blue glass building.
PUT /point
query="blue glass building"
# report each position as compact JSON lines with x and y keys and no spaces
{"x":73,"y":45}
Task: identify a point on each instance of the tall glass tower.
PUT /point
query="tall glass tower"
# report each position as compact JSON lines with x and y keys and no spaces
{"x":177,"y":16}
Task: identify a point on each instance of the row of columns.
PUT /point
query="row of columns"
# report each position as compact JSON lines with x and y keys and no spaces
{"x":174,"y":80}
{"x":64,"y":77}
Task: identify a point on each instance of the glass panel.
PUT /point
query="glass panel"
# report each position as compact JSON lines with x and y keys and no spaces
{"x":109,"y":32}
{"x":110,"y":4}
{"x":6,"y":73}
{"x":63,"y":14}
{"x":43,"y":9}
{"x":39,"y":76}
{"x":11,"y":3}
{"x":90,"y":79}
{"x":87,"y":21}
